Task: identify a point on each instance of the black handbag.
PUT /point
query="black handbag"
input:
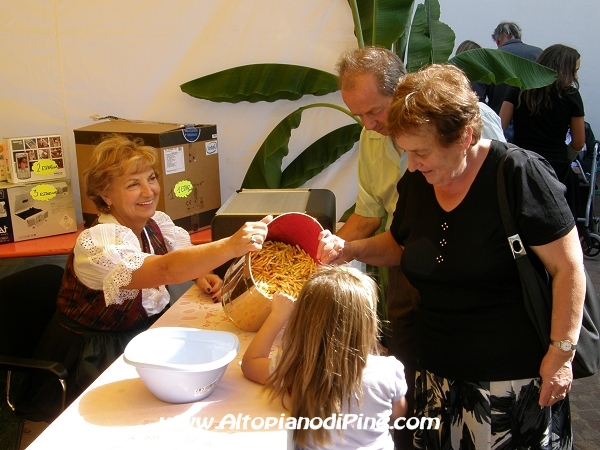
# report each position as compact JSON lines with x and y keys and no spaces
{"x":537,"y":293}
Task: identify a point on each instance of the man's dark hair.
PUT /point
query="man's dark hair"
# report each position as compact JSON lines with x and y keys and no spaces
{"x":507,"y":29}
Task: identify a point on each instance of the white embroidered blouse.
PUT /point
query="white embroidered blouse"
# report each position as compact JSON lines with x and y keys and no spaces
{"x":106,"y":255}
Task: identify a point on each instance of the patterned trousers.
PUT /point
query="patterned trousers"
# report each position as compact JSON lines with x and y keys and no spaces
{"x":497,"y":415}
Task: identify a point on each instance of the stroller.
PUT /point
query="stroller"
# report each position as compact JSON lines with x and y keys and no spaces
{"x":585,"y":166}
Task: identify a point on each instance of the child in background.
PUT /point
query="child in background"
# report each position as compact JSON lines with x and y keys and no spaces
{"x":328,"y":362}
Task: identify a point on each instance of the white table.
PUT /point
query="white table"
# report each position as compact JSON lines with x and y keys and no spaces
{"x":118,"y":412}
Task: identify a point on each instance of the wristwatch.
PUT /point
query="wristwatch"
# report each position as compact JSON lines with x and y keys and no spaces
{"x":565,"y":346}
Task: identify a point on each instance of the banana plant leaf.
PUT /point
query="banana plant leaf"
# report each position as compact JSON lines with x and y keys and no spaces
{"x":261,"y":82}
{"x":441,"y":35}
{"x":265,"y":169}
{"x":319,"y":155}
{"x":430,"y":40}
{"x":391,"y":20}
{"x":403,"y":41}
{"x":418,"y":43}
{"x":492,"y":66}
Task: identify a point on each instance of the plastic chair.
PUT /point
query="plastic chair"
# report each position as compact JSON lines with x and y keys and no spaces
{"x":27,"y":303}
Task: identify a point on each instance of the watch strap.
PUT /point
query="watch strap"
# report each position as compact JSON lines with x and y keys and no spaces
{"x":560,"y":344}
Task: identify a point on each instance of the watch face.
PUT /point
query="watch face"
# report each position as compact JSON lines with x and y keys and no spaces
{"x":565,"y":346}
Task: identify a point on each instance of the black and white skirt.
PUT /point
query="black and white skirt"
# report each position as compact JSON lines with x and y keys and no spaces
{"x":497,"y":415}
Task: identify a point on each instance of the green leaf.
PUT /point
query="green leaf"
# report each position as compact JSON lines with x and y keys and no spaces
{"x":261,"y":82}
{"x":265,"y":169}
{"x":442,"y":38}
{"x":492,"y":66}
{"x":403,"y":41}
{"x":319,"y":155}
{"x":431,"y":41}
{"x":357,"y":26}
{"x":419,"y":44}
{"x":441,"y":35}
{"x":391,"y":19}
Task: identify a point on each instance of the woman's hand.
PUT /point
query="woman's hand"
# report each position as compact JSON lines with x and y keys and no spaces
{"x":250,"y":237}
{"x":332,"y":249}
{"x":563,"y":260}
{"x":557,"y":376}
{"x":211,"y":285}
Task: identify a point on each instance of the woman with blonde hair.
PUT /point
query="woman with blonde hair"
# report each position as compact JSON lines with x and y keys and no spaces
{"x":328,"y":365}
{"x":116,"y":276}
{"x":484,"y":372}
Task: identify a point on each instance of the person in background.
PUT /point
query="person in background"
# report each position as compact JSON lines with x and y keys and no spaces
{"x":114,"y":285}
{"x":367,"y":79}
{"x":483,"y":370}
{"x":334,"y":369}
{"x":479,"y":87}
{"x":507,"y":37}
{"x":466,"y":45}
{"x":542,"y":117}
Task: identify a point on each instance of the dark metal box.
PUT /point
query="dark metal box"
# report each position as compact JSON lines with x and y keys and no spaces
{"x":249,"y":205}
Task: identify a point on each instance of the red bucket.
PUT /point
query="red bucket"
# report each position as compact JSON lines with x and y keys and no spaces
{"x":246,"y":305}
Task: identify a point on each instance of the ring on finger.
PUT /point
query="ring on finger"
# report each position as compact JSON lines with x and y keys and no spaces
{"x":252,"y":241}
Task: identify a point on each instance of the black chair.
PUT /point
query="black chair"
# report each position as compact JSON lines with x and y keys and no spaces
{"x":27,"y":303}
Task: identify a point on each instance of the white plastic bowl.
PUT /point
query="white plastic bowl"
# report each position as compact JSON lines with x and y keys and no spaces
{"x":181,"y":365}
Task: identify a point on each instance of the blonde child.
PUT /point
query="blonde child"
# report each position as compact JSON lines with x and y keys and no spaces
{"x":328,"y":363}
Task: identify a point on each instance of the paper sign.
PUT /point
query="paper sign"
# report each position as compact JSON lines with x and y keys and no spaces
{"x":43,"y":192}
{"x":45,"y":167}
{"x":211,"y":147}
{"x":183,"y":188}
{"x":174,"y":160}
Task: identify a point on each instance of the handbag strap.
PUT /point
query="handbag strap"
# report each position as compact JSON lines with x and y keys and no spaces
{"x":537,"y":294}
{"x":514,"y":240}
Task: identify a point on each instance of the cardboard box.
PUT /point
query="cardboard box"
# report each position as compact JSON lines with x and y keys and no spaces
{"x":35,"y":210}
{"x":3,"y":175}
{"x":189,"y":167}
{"x":34,"y":159}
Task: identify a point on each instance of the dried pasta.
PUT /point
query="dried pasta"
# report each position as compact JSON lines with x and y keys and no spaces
{"x":280,"y":267}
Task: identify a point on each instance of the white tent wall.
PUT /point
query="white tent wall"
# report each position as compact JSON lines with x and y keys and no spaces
{"x":64,"y":61}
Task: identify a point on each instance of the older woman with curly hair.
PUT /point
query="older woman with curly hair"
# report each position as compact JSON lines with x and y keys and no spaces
{"x":483,"y":370}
